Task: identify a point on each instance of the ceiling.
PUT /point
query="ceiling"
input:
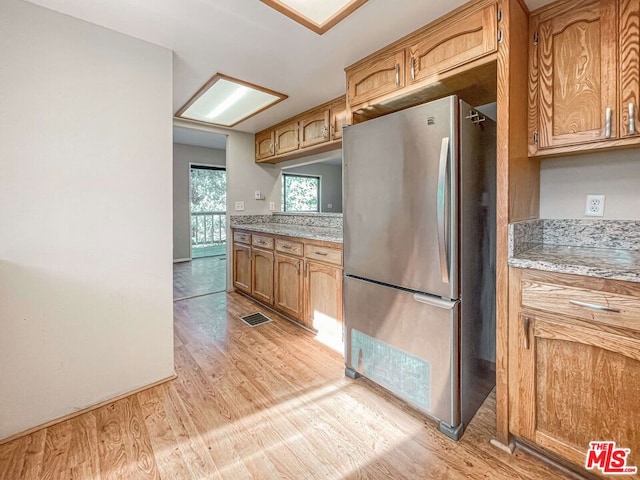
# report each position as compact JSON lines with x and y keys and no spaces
{"x":248,"y":40}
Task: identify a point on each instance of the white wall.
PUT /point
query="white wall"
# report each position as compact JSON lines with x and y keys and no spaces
{"x":565,"y":183}
{"x":85,"y":215}
{"x":182,"y":156}
{"x":330,"y":184}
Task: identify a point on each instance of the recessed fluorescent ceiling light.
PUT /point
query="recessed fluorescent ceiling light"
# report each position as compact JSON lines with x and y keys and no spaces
{"x":317,"y":15}
{"x":227,"y":101}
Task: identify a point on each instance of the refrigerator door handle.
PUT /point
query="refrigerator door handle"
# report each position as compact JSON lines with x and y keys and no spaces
{"x":434,"y":301}
{"x":442,"y":179}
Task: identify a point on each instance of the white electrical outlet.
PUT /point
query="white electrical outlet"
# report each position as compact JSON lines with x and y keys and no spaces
{"x":258,"y":195}
{"x":272,"y":206}
{"x":239,"y":206}
{"x":595,"y":206}
{"x":329,"y":205}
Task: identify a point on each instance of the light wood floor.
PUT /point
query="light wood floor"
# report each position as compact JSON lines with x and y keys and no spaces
{"x":199,"y":276}
{"x":259,"y":403}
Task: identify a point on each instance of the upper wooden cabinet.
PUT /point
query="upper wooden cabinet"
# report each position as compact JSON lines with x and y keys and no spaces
{"x":444,"y":57}
{"x":314,"y":131}
{"x":454,"y":44}
{"x":376,"y":77}
{"x":584,"y":76}
{"x":629,"y":67}
{"x":314,"y":128}
{"x":286,"y":138}
{"x":265,"y":146}
{"x":338,"y":118}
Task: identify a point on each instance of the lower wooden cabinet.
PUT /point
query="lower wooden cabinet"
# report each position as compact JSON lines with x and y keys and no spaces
{"x":289,"y":285}
{"x":262,"y":275}
{"x":323,"y":299}
{"x":242,"y":267}
{"x":574,"y":378}
{"x":300,"y":278}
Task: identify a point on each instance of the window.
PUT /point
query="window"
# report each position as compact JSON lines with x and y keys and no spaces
{"x":300,"y":193}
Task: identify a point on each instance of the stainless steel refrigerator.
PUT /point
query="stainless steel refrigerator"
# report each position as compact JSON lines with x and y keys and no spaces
{"x":419,"y":261}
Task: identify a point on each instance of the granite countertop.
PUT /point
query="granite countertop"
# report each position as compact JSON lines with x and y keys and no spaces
{"x":608,"y":263}
{"x":325,"y":234}
{"x":603,"y":249}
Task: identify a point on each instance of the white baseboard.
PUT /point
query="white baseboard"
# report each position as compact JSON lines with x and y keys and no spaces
{"x":179,"y":260}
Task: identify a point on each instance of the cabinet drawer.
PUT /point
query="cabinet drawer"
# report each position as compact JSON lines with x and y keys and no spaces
{"x":323,"y":254}
{"x":286,"y":246}
{"x":240,"y":237}
{"x":262,"y":241}
{"x":592,"y":305}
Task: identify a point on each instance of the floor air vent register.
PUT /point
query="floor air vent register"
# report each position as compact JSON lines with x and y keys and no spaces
{"x":255,"y":319}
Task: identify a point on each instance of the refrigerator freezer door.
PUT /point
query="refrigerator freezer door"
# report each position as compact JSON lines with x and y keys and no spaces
{"x":407,"y":343}
{"x":400,"y":216}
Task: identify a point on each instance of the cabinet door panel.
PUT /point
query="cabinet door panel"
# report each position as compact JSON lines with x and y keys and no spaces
{"x":265,"y":147}
{"x":375,"y":78}
{"x":338,"y":120}
{"x":242,"y":267}
{"x":262,"y":276}
{"x":323,"y":292}
{"x":629,"y":67}
{"x":288,"y":285}
{"x":460,"y":41}
{"x":576,"y":373}
{"x":578,"y":75}
{"x":314,"y":128}
{"x":286,"y":138}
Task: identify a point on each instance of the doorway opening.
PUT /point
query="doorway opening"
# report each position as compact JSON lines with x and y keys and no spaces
{"x":208,"y":200}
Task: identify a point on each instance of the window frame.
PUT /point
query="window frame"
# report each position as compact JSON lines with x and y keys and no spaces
{"x":301,"y":175}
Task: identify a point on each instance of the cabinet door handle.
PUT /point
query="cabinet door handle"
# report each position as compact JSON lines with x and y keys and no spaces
{"x":322,"y":254}
{"x":271,"y":149}
{"x":413,"y":68}
{"x":632,"y":118}
{"x":594,"y":306}
{"x":287,"y":247}
{"x":397,"y":74}
{"x":325,"y":130}
{"x":607,"y":123}
{"x":527,"y":323}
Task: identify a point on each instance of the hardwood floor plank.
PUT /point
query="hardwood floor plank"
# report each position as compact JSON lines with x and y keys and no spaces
{"x":57,"y":449}
{"x":84,"y":458}
{"x":22,"y":458}
{"x":166,"y":448}
{"x":125,"y":448}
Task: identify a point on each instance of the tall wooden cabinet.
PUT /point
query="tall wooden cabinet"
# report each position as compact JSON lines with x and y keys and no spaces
{"x":584,"y":70}
{"x":574,"y":363}
{"x":629,"y":57}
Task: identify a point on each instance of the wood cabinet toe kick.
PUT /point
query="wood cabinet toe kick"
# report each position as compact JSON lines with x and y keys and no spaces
{"x":299,"y":278}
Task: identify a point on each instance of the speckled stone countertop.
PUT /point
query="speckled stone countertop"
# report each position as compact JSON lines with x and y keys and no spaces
{"x":595,"y":248}
{"x":327,"y":228}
